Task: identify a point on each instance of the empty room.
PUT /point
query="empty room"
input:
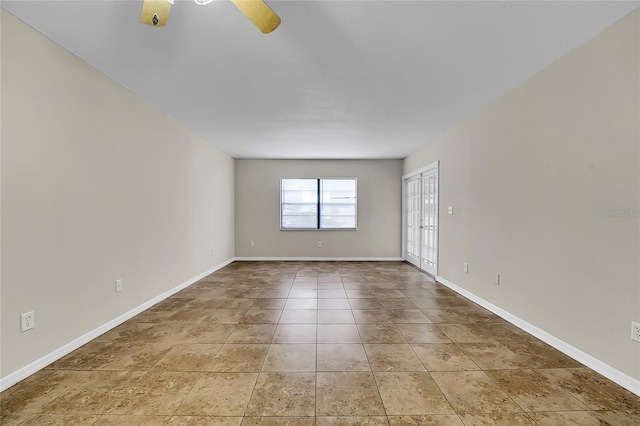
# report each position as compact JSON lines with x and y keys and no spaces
{"x":308,"y":212}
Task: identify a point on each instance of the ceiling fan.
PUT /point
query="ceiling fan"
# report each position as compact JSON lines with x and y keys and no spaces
{"x":156,"y":13}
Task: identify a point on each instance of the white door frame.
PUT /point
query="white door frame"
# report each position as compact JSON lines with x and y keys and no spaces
{"x":427,"y":169}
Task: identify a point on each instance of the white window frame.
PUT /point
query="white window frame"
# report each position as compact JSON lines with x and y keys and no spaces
{"x":319,"y":204}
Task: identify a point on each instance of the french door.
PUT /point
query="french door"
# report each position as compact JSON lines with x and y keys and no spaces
{"x":421,"y":218}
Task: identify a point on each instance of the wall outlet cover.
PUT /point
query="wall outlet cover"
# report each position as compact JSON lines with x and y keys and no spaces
{"x":27,"y":321}
{"x":635,"y":331}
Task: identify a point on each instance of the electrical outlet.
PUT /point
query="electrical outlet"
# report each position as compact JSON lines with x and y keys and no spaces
{"x":465,"y":267}
{"x":496,"y":279}
{"x":635,"y":331}
{"x":252,"y":244}
{"x":118,"y":286}
{"x":27,"y":321}
{"x":319,"y":243}
{"x":213,"y":252}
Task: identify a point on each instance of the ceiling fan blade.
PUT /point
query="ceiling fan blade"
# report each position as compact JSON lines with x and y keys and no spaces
{"x":152,"y":7}
{"x":259,"y":13}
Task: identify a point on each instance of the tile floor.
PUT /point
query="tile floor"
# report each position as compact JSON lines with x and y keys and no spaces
{"x":317,"y":343}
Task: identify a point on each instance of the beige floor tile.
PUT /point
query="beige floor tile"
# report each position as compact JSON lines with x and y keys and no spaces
{"x":423,"y":333}
{"x":127,"y":332}
{"x":408,"y":316}
{"x":338,"y":333}
{"x":302,"y":293}
{"x":431,"y":420}
{"x":204,"y":421}
{"x":34,"y":393}
{"x":15,"y":419}
{"x":593,"y":390}
{"x":187,"y":314}
{"x":533,"y":391}
{"x":274,"y":294}
{"x":397,"y":303}
{"x":283,"y":394}
{"x":230,"y":398}
{"x":295,"y":333}
{"x":335,"y":293}
{"x":235,"y":303}
{"x":500,"y":419}
{"x":290,"y":357}
{"x":252,"y":333}
{"x":417,"y":293}
{"x":380,"y":333}
{"x":342,"y":357}
{"x":189,"y":333}
{"x":261,"y":316}
{"x":335,"y":316}
{"x":570,"y":418}
{"x":443,"y":357}
{"x":279,"y":421}
{"x":270,"y":303}
{"x":372,"y":316}
{"x":473,"y":392}
{"x":461,"y":315}
{"x":299,"y":316}
{"x":88,"y":357}
{"x":301,"y":304}
{"x":493,"y":356}
{"x":154,"y":393}
{"x":365,"y":304}
{"x":61,"y":419}
{"x":95,"y":393}
{"x":619,"y":418}
{"x":239,"y":357}
{"x":333,"y":304}
{"x":347,"y":394}
{"x":188,"y":357}
{"x":225,"y":316}
{"x":523,"y":355}
{"x":411,"y":393}
{"x":329,"y":277}
{"x":441,"y":302}
{"x":392,"y":357}
{"x":357,"y":293}
{"x":132,"y":356}
{"x":387,"y":294}
{"x":353,"y":421}
{"x":303,"y":286}
{"x":485,"y":333}
{"x":130,"y":420}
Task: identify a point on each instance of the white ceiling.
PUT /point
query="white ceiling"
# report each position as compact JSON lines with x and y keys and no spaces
{"x":337,"y":79}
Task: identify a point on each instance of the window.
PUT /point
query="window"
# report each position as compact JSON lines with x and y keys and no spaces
{"x":325,"y":203}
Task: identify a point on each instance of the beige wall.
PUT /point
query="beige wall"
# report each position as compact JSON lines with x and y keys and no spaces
{"x":96,"y":185}
{"x":258,"y":209}
{"x":531,"y":178}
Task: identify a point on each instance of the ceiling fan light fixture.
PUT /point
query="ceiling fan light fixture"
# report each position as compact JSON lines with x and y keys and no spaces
{"x":155,"y":12}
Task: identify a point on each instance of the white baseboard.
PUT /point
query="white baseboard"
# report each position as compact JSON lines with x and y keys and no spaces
{"x":26,"y":371}
{"x":624,"y":380}
{"x":319,"y":259}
